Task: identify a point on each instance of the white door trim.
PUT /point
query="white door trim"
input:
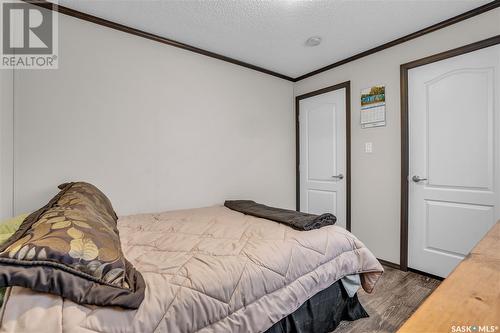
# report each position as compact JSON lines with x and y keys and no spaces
{"x":347,"y":86}
{"x":405,"y":131}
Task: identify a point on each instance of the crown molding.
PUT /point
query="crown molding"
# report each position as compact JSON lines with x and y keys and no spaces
{"x":120,"y":27}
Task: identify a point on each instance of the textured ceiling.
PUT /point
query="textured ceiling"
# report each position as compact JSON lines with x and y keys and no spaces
{"x":272,"y":34}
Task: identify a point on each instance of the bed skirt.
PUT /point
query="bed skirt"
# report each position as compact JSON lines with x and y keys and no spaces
{"x":322,"y":313}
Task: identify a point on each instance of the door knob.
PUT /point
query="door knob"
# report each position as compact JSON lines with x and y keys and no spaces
{"x":339,"y":176}
{"x":417,"y":179}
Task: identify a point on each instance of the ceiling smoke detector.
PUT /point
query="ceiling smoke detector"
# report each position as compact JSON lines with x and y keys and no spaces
{"x":313,"y":41}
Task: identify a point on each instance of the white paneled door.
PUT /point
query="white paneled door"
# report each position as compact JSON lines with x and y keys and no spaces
{"x":322,"y":165}
{"x":454,"y":182}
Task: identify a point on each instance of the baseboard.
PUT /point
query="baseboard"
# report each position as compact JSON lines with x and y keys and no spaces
{"x":389,"y":264}
{"x":432,"y":276}
{"x":396,"y":266}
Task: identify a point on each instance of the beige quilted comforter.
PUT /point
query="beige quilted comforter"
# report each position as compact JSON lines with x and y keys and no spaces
{"x":207,"y":270}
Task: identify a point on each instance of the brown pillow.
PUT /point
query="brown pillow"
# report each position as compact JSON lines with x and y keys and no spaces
{"x":71,"y":247}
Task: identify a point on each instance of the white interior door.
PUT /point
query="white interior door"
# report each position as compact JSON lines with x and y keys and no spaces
{"x":322,"y":167}
{"x":454,"y":154}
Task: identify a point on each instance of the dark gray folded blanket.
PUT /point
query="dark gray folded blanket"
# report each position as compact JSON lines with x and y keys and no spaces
{"x":296,"y":220}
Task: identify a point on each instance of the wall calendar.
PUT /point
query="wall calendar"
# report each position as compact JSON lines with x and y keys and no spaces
{"x":373,"y":107}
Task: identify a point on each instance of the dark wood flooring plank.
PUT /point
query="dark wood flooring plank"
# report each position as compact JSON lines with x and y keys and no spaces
{"x":396,"y":296}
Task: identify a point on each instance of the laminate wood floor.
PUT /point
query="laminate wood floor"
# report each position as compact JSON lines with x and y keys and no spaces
{"x":397,"y":295}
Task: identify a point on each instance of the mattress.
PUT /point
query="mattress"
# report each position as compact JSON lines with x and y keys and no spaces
{"x":206,"y":270}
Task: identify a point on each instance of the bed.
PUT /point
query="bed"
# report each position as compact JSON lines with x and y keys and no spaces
{"x":212,"y":270}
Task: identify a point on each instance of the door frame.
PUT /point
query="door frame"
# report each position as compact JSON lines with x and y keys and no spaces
{"x":347,"y":86}
{"x":405,"y":160}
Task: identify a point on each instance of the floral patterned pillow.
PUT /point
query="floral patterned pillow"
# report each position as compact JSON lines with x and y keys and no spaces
{"x":71,"y":247}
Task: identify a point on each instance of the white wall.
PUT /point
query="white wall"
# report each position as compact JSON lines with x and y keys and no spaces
{"x":375,"y":212}
{"x":6,"y":148}
{"x":155,"y":127}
